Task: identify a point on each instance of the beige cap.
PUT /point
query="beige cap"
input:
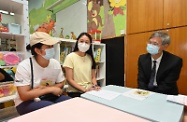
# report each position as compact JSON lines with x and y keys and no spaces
{"x":42,"y":37}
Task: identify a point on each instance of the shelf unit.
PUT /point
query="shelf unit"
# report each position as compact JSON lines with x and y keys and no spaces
{"x":101,"y":75}
{"x":20,"y":10}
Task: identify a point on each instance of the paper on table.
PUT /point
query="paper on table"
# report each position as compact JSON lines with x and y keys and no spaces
{"x":137,"y":94}
{"x":181,"y":99}
{"x":105,"y":94}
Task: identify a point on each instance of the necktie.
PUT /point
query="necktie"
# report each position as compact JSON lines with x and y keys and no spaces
{"x":153,"y":72}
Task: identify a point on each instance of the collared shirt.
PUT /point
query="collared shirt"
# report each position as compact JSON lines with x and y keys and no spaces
{"x":157,"y":66}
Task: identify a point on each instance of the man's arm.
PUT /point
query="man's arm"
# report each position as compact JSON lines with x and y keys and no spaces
{"x":141,"y":76}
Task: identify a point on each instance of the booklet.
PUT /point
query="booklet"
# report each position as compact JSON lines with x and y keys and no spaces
{"x":181,"y":99}
{"x":138,"y":94}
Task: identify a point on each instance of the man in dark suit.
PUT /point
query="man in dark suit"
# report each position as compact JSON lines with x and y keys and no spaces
{"x":161,"y":77}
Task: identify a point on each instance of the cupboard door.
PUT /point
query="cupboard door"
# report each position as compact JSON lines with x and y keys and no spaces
{"x":144,"y":15}
{"x":175,"y":13}
{"x":179,"y":48}
{"x":135,"y":45}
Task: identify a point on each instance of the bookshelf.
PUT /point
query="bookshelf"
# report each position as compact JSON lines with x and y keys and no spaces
{"x":68,"y":45}
{"x":18,"y":40}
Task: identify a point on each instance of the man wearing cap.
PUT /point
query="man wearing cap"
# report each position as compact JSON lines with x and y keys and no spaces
{"x":39,"y":79}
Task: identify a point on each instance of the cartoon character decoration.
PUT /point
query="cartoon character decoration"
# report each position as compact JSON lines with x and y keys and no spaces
{"x":117,"y":6}
{"x":47,"y":27}
{"x":94,"y":19}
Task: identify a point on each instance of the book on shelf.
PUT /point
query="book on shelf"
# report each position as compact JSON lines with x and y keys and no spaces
{"x":97,"y":71}
{"x":64,"y":51}
{"x":97,"y":55}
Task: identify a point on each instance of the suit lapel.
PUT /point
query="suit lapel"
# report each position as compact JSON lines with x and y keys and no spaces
{"x":161,"y":68}
{"x":148,"y":65}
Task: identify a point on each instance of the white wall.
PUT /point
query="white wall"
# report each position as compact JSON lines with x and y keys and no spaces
{"x":35,"y":4}
{"x":73,"y":18}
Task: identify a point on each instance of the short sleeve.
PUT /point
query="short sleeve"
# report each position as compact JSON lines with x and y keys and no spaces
{"x":68,"y":61}
{"x":22,"y":76}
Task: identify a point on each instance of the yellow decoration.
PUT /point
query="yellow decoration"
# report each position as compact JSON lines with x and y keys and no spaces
{"x":14,"y":69}
{"x":98,"y":55}
{"x":117,"y":3}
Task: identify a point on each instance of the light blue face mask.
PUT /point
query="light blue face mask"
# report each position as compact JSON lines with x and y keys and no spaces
{"x":152,"y":49}
{"x":49,"y":53}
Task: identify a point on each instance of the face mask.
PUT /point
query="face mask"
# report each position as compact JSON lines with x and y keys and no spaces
{"x":152,"y":49}
{"x":49,"y":53}
{"x":83,"y":47}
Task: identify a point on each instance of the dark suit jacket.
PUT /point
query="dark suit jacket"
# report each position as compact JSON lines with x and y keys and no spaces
{"x":167,"y":74}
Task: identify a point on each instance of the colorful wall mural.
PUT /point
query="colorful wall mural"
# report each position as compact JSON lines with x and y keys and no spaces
{"x":107,"y":16}
{"x":41,"y":12}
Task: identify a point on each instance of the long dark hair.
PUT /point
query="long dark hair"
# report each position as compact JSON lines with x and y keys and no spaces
{"x":89,"y":51}
{"x":38,"y":45}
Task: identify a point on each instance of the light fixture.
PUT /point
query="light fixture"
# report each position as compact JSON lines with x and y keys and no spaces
{"x":4,"y":12}
{"x":11,"y":13}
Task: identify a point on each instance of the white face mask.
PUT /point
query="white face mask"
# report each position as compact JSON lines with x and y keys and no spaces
{"x":83,"y":47}
{"x":152,"y":49}
{"x":49,"y":53}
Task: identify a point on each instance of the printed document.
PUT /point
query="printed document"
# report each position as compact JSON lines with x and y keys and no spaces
{"x":181,"y":99}
{"x":105,"y":94}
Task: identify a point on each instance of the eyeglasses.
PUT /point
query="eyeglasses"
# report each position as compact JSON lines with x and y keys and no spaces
{"x":153,"y":43}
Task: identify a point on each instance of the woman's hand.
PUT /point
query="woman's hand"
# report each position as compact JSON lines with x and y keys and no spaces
{"x":56,"y":91}
{"x":94,"y":87}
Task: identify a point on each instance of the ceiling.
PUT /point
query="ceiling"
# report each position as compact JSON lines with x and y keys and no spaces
{"x":60,"y":5}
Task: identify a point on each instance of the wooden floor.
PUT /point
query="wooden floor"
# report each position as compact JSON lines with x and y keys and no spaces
{"x":8,"y":113}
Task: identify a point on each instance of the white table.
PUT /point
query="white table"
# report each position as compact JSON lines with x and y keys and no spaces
{"x":155,"y":107}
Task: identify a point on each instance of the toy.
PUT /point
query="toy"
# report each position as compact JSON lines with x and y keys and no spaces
{"x":46,"y":27}
{"x":11,"y":58}
{"x":96,"y":35}
{"x":73,"y":36}
{"x":61,"y":33}
{"x":6,"y":89}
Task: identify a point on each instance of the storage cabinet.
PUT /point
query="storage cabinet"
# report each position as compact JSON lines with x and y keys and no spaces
{"x":175,"y":13}
{"x":99,"y":50}
{"x":150,"y":15}
{"x":20,"y":9}
{"x":144,"y":15}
